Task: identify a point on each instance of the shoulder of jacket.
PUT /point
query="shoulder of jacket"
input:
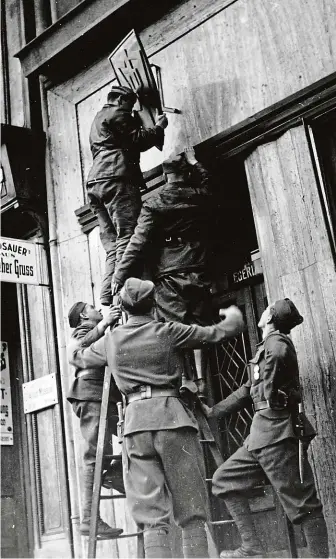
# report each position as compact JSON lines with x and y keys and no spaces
{"x":278,"y":342}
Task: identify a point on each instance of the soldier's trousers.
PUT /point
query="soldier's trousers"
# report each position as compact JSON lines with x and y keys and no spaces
{"x":280,"y":463}
{"x":184,"y":297}
{"x":164,"y":472}
{"x":89,"y":415}
{"x":116,"y":204}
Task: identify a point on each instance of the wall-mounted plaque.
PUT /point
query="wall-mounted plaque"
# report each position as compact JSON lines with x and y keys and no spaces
{"x":39,"y":394}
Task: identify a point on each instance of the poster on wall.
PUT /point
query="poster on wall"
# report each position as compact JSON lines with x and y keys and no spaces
{"x":6,"y":417}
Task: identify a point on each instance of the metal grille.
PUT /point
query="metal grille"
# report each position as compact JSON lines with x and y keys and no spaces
{"x":229,"y":372}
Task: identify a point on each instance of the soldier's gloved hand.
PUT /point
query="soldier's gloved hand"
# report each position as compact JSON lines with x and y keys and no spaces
{"x":162,"y":121}
{"x":190,"y":156}
{"x":233,"y":320}
{"x":113,"y":315}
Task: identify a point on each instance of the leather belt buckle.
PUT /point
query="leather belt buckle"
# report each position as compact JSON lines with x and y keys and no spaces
{"x":145,"y":392}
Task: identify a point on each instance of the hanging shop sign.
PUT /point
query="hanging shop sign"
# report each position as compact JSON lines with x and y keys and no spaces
{"x":39,"y":393}
{"x":6,"y":417}
{"x":22,"y":261}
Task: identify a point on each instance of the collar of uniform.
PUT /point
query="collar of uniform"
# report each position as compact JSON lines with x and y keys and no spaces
{"x":139,"y":319}
{"x":275,"y":332}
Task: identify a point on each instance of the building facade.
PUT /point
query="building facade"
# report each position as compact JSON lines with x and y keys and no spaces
{"x":254,"y":83}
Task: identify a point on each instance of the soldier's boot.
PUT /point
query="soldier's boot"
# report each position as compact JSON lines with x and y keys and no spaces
{"x":195,"y":541}
{"x":239,"y":508}
{"x":103,"y":529}
{"x":316,"y":535}
{"x":156,"y":543}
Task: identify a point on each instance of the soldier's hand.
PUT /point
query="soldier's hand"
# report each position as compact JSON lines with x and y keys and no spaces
{"x":162,"y":121}
{"x":206,"y":410}
{"x":190,"y":156}
{"x":233,"y":320}
{"x":113,"y":315}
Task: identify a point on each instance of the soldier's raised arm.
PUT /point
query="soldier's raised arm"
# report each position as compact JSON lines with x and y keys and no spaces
{"x":191,"y":337}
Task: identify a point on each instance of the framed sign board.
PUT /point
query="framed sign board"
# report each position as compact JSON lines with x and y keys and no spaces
{"x":132,"y":69}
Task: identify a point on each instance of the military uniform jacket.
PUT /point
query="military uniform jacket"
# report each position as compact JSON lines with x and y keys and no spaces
{"x":181,"y":214}
{"x":148,"y":352}
{"x":273,"y":368}
{"x":116,"y":140}
{"x":89,"y":387}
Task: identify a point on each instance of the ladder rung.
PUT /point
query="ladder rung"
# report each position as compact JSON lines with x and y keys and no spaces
{"x":221,"y":522}
{"x":107,"y":497}
{"x":208,"y":479}
{"x":204,"y":441}
{"x":113,"y":456}
{"x":131,"y":535}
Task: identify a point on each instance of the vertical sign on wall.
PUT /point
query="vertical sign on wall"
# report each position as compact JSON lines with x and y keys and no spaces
{"x":6,"y":418}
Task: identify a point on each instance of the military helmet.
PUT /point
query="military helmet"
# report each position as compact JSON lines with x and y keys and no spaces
{"x":118,"y":90}
{"x":285,"y":315}
{"x":176,"y":164}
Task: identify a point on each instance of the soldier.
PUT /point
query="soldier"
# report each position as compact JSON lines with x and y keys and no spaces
{"x":272,"y":447}
{"x":175,"y":224}
{"x":162,"y":457}
{"x":115,"y":178}
{"x":85,"y":395}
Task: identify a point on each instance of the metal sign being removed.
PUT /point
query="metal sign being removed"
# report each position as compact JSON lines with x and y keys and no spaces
{"x":21,"y":261}
{"x":132,"y":69}
{"x":40,"y":393}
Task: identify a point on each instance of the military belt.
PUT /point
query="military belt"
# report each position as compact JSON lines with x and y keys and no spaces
{"x":92,"y":373}
{"x":266,"y":404}
{"x":174,"y":240}
{"x":147,"y":392}
{"x":261,"y":405}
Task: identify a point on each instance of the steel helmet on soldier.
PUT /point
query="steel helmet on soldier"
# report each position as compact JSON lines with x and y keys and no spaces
{"x":285,"y":315}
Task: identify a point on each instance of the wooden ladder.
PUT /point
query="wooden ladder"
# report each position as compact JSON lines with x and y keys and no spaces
{"x":96,"y":496}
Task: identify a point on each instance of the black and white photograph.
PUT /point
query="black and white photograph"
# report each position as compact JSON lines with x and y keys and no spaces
{"x":168,"y":279}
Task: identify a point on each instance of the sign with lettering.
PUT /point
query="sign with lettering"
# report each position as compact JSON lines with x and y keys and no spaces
{"x":132,"y":69}
{"x":249,"y":270}
{"x":245,"y":273}
{"x":6,"y":417}
{"x":40,"y":393}
{"x":20,"y":261}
